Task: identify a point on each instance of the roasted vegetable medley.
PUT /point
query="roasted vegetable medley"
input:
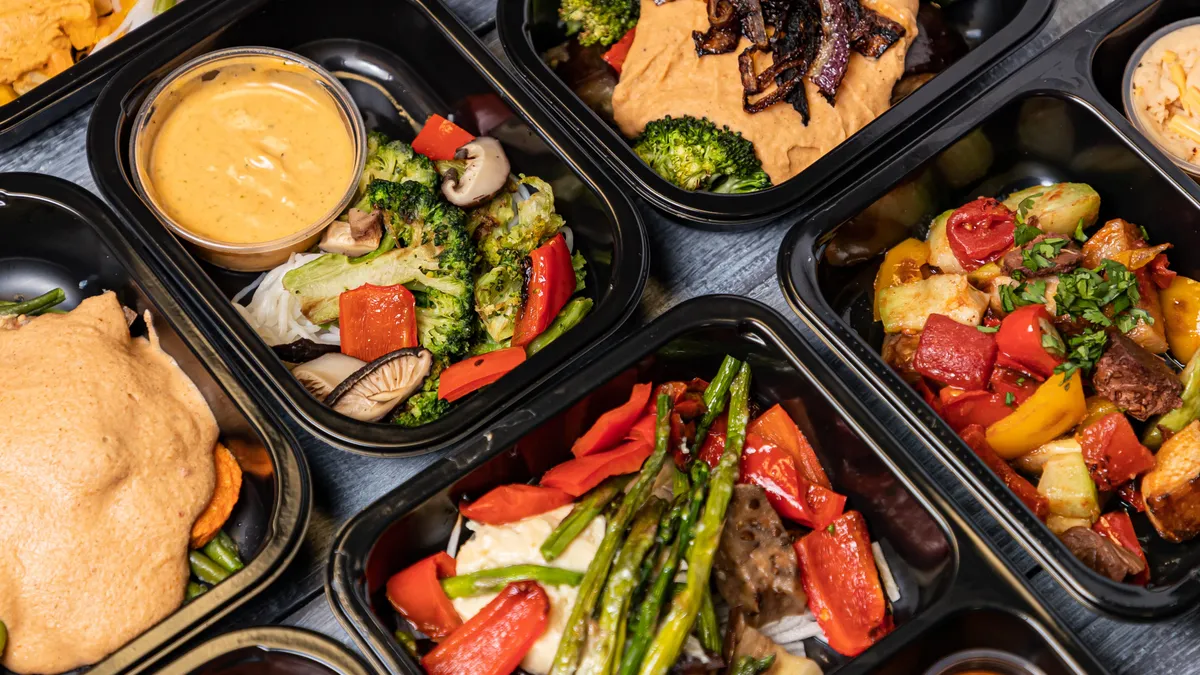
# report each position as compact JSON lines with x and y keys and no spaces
{"x":1054,"y":348}
{"x":688,"y":531}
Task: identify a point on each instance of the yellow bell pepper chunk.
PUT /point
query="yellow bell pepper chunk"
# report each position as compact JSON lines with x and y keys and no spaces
{"x":1054,"y":409}
{"x":1185,"y":128}
{"x":7,"y":94}
{"x":1181,"y":310}
{"x":901,"y":265}
{"x":983,"y":275}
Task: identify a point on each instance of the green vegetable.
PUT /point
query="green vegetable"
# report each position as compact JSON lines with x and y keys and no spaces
{"x":205,"y":569}
{"x":498,"y":296}
{"x":494,"y":580}
{"x":161,"y":6}
{"x":568,"y":318}
{"x":695,"y":154}
{"x":536,"y":223}
{"x":674,"y":629}
{"x":601,"y":22}
{"x":394,"y":161}
{"x":566,"y":658}
{"x":34,"y":306}
{"x":409,"y":643}
{"x":194,"y":590}
{"x":223,"y":551}
{"x":1059,"y":208}
{"x":714,"y":397}
{"x":748,"y":665}
{"x":707,"y":628}
{"x":424,"y":406}
{"x":582,"y":514}
{"x":1182,"y":416}
{"x":1069,"y":487}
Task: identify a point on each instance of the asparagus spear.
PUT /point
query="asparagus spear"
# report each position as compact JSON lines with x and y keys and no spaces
{"x":668,"y":642}
{"x":205,"y":569}
{"x":614,"y":605}
{"x":748,"y":665}
{"x":34,"y":305}
{"x":494,"y":580}
{"x":714,"y":397}
{"x":706,"y":626}
{"x":224,"y":552}
{"x":566,"y":658}
{"x":581,"y":516}
{"x":194,"y":590}
{"x":409,"y":643}
{"x":570,"y":316}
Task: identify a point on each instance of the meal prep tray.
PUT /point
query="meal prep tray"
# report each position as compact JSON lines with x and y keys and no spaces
{"x":991,"y":28}
{"x":412,"y":56}
{"x":268,"y":650}
{"x":1053,"y":120}
{"x":954,"y":593}
{"x":57,"y":234}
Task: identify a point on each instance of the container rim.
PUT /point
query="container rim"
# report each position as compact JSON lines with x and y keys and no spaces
{"x":301,"y":642}
{"x":1131,"y":114}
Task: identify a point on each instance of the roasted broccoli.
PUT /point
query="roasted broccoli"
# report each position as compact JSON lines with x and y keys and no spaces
{"x":600,"y":22}
{"x":695,"y":154}
{"x":394,"y":161}
{"x":536,"y":221}
{"x":424,"y":406}
{"x":498,"y":295}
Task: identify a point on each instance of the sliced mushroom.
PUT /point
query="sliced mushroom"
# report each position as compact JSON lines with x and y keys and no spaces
{"x":485,"y":174}
{"x":357,"y":236}
{"x":375,"y":389}
{"x":323,"y":374}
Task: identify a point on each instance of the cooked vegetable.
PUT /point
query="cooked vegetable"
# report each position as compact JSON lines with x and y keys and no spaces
{"x":1029,"y":342}
{"x":585,"y":511}
{"x":775,"y":426}
{"x":901,"y":265}
{"x":1177,"y":419}
{"x":376,"y":320}
{"x":568,"y":318}
{"x":205,"y":569}
{"x":754,"y":568}
{"x":494,"y":641}
{"x":374,"y":390}
{"x":955,"y":354}
{"x":225,"y":495}
{"x":577,"y":476}
{"x":695,"y":154}
{"x":33,"y":306}
{"x":1181,"y":312}
{"x":966,"y":408}
{"x":422,"y":407}
{"x":748,"y":665}
{"x":974,"y":437}
{"x":1059,"y":208}
{"x":416,"y":593}
{"x":907,"y":307}
{"x":715,"y":396}
{"x":1117,"y":526}
{"x":600,"y":22}
{"x":394,"y":161}
{"x":470,"y":374}
{"x":494,"y":580}
{"x":1033,"y":461}
{"x":980,"y":232}
{"x":616,"y":55}
{"x":1055,"y":408}
{"x":551,"y":283}
{"x":1170,"y":488}
{"x":510,"y":503}
{"x":1068,"y":487}
{"x":615,"y":424}
{"x":773,"y":468}
{"x":941,"y":255}
{"x":1112,"y":451}
{"x":440,"y":138}
{"x":479,"y":171}
{"x":498,"y":295}
{"x":223,"y":551}
{"x":193,"y":591}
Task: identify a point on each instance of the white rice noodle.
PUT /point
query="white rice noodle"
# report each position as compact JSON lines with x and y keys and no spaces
{"x":885,"y":574}
{"x":274,"y":313}
{"x":452,"y":546}
{"x":141,"y":12}
{"x":790,"y":632}
{"x":569,"y":236}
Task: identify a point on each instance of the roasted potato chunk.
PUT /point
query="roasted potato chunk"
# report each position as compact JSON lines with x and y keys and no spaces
{"x":1172,"y":488}
{"x":1059,"y":207}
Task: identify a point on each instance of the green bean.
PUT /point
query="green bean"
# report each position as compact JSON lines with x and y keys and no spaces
{"x":748,"y":665}
{"x":707,"y":628}
{"x":714,"y":397}
{"x":568,"y":318}
{"x":34,"y":305}
{"x":409,"y":643}
{"x":223,"y":551}
{"x":591,"y":505}
{"x":494,"y":580}
{"x":194,"y":590}
{"x":205,"y":569}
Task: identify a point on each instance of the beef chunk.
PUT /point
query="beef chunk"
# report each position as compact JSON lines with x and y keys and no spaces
{"x":1101,"y":554}
{"x":1136,"y":380}
{"x":755,"y":565}
{"x":1067,"y":259}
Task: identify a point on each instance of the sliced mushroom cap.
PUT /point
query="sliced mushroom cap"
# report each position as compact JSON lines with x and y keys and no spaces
{"x":357,"y":236}
{"x":323,"y":374}
{"x":301,"y":350}
{"x":374,"y":390}
{"x":485,"y":174}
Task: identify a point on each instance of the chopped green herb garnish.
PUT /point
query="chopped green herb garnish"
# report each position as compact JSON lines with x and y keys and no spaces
{"x":987,"y":329}
{"x":1023,"y":234}
{"x":1054,"y":344}
{"x":1079,"y":234}
{"x":1009,"y":398}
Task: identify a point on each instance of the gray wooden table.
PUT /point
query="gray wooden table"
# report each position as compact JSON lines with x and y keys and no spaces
{"x":687,"y":263}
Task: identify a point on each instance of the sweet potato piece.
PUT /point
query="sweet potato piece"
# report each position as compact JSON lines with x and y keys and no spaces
{"x":1172,"y":488}
{"x":225,"y":496}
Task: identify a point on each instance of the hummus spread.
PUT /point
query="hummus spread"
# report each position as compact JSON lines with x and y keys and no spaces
{"x":106,"y":460}
{"x":663,"y":76}
{"x":1166,"y":93}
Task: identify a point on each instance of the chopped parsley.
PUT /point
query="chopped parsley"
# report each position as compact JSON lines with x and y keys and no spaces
{"x":1024,"y":206}
{"x":1009,"y":398}
{"x":987,"y":329}
{"x":1054,"y":344}
{"x":1079,"y":234}
{"x":1023,"y":234}
{"x":1040,"y":256}
{"x":1084,"y":350}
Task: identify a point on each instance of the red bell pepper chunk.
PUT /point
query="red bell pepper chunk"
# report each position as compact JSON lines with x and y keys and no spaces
{"x":551,"y":285}
{"x":1112,"y":451}
{"x":976,"y":407}
{"x":494,"y":641}
{"x":1117,"y":526}
{"x":643,"y":430}
{"x":1008,"y":381}
{"x":776,"y":427}
{"x":773,"y":469}
{"x":377,"y":320}
{"x":416,"y":593}
{"x":955,"y":354}
{"x":440,"y":138}
{"x":474,"y":372}
{"x":615,"y":424}
{"x":980,"y":231}
{"x":1159,"y":273}
{"x":1024,"y":490}
{"x":510,"y":503}
{"x":1131,"y":494}
{"x":839,"y":575}
{"x":714,"y":443}
{"x":931,"y":398}
{"x":577,"y":476}
{"x":1023,"y":338}
{"x":616,"y":54}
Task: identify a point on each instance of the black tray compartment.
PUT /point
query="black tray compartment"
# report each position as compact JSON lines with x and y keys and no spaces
{"x":268,"y":650}
{"x":57,"y":234}
{"x":939,"y":571}
{"x":991,"y":28}
{"x":419,"y":55}
{"x":1048,"y":122}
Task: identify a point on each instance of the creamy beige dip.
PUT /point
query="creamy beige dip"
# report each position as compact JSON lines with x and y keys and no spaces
{"x":1168,"y":113}
{"x":663,"y":76}
{"x":106,"y":460}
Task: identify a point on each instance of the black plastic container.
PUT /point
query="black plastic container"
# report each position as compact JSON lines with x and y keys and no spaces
{"x":946,"y":578}
{"x":1048,"y":122}
{"x":991,"y":28}
{"x":58,"y":234}
{"x":268,"y":650}
{"x":421,"y":56}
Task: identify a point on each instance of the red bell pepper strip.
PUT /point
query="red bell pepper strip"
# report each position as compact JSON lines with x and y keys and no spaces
{"x":773,"y":469}
{"x":1131,"y":494}
{"x":1159,"y":273}
{"x":714,"y":443}
{"x":616,"y":54}
{"x":377,"y":320}
{"x":1029,"y":342}
{"x":615,"y":424}
{"x":976,"y":407}
{"x":551,"y":285}
{"x":577,"y":476}
{"x":416,"y":593}
{"x":474,"y":372}
{"x":776,"y":427}
{"x":494,"y":641}
{"x":975,"y":438}
{"x":643,"y":430}
{"x":980,"y":232}
{"x":1112,"y":451}
{"x":1117,"y":526}
{"x":955,"y":354}
{"x":839,"y":575}
{"x":510,"y":503}
{"x":1008,"y":381}
{"x":440,"y":138}
{"x":931,"y":398}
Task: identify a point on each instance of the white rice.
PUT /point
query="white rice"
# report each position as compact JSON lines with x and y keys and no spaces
{"x":274,"y":313}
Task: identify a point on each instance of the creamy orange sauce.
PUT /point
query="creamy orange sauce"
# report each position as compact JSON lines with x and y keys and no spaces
{"x":255,"y":154}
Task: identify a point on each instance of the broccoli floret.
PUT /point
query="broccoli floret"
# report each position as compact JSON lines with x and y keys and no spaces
{"x":536,"y":222}
{"x":695,"y":154}
{"x":579,"y":264}
{"x":394,"y":161}
{"x":498,"y":295}
{"x":424,"y":406}
{"x":600,"y":22}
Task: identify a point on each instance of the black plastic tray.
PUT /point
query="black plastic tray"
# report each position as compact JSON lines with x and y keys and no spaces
{"x":946,"y":577}
{"x":992,"y":28}
{"x":424,"y":58}
{"x":58,"y":234}
{"x":1047,"y":122}
{"x":268,"y":650}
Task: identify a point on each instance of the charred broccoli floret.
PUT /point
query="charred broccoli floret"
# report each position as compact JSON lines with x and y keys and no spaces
{"x":424,"y":406}
{"x":600,"y":22}
{"x":536,"y":221}
{"x":393,"y":161}
{"x":695,"y":154}
{"x":498,"y":295}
